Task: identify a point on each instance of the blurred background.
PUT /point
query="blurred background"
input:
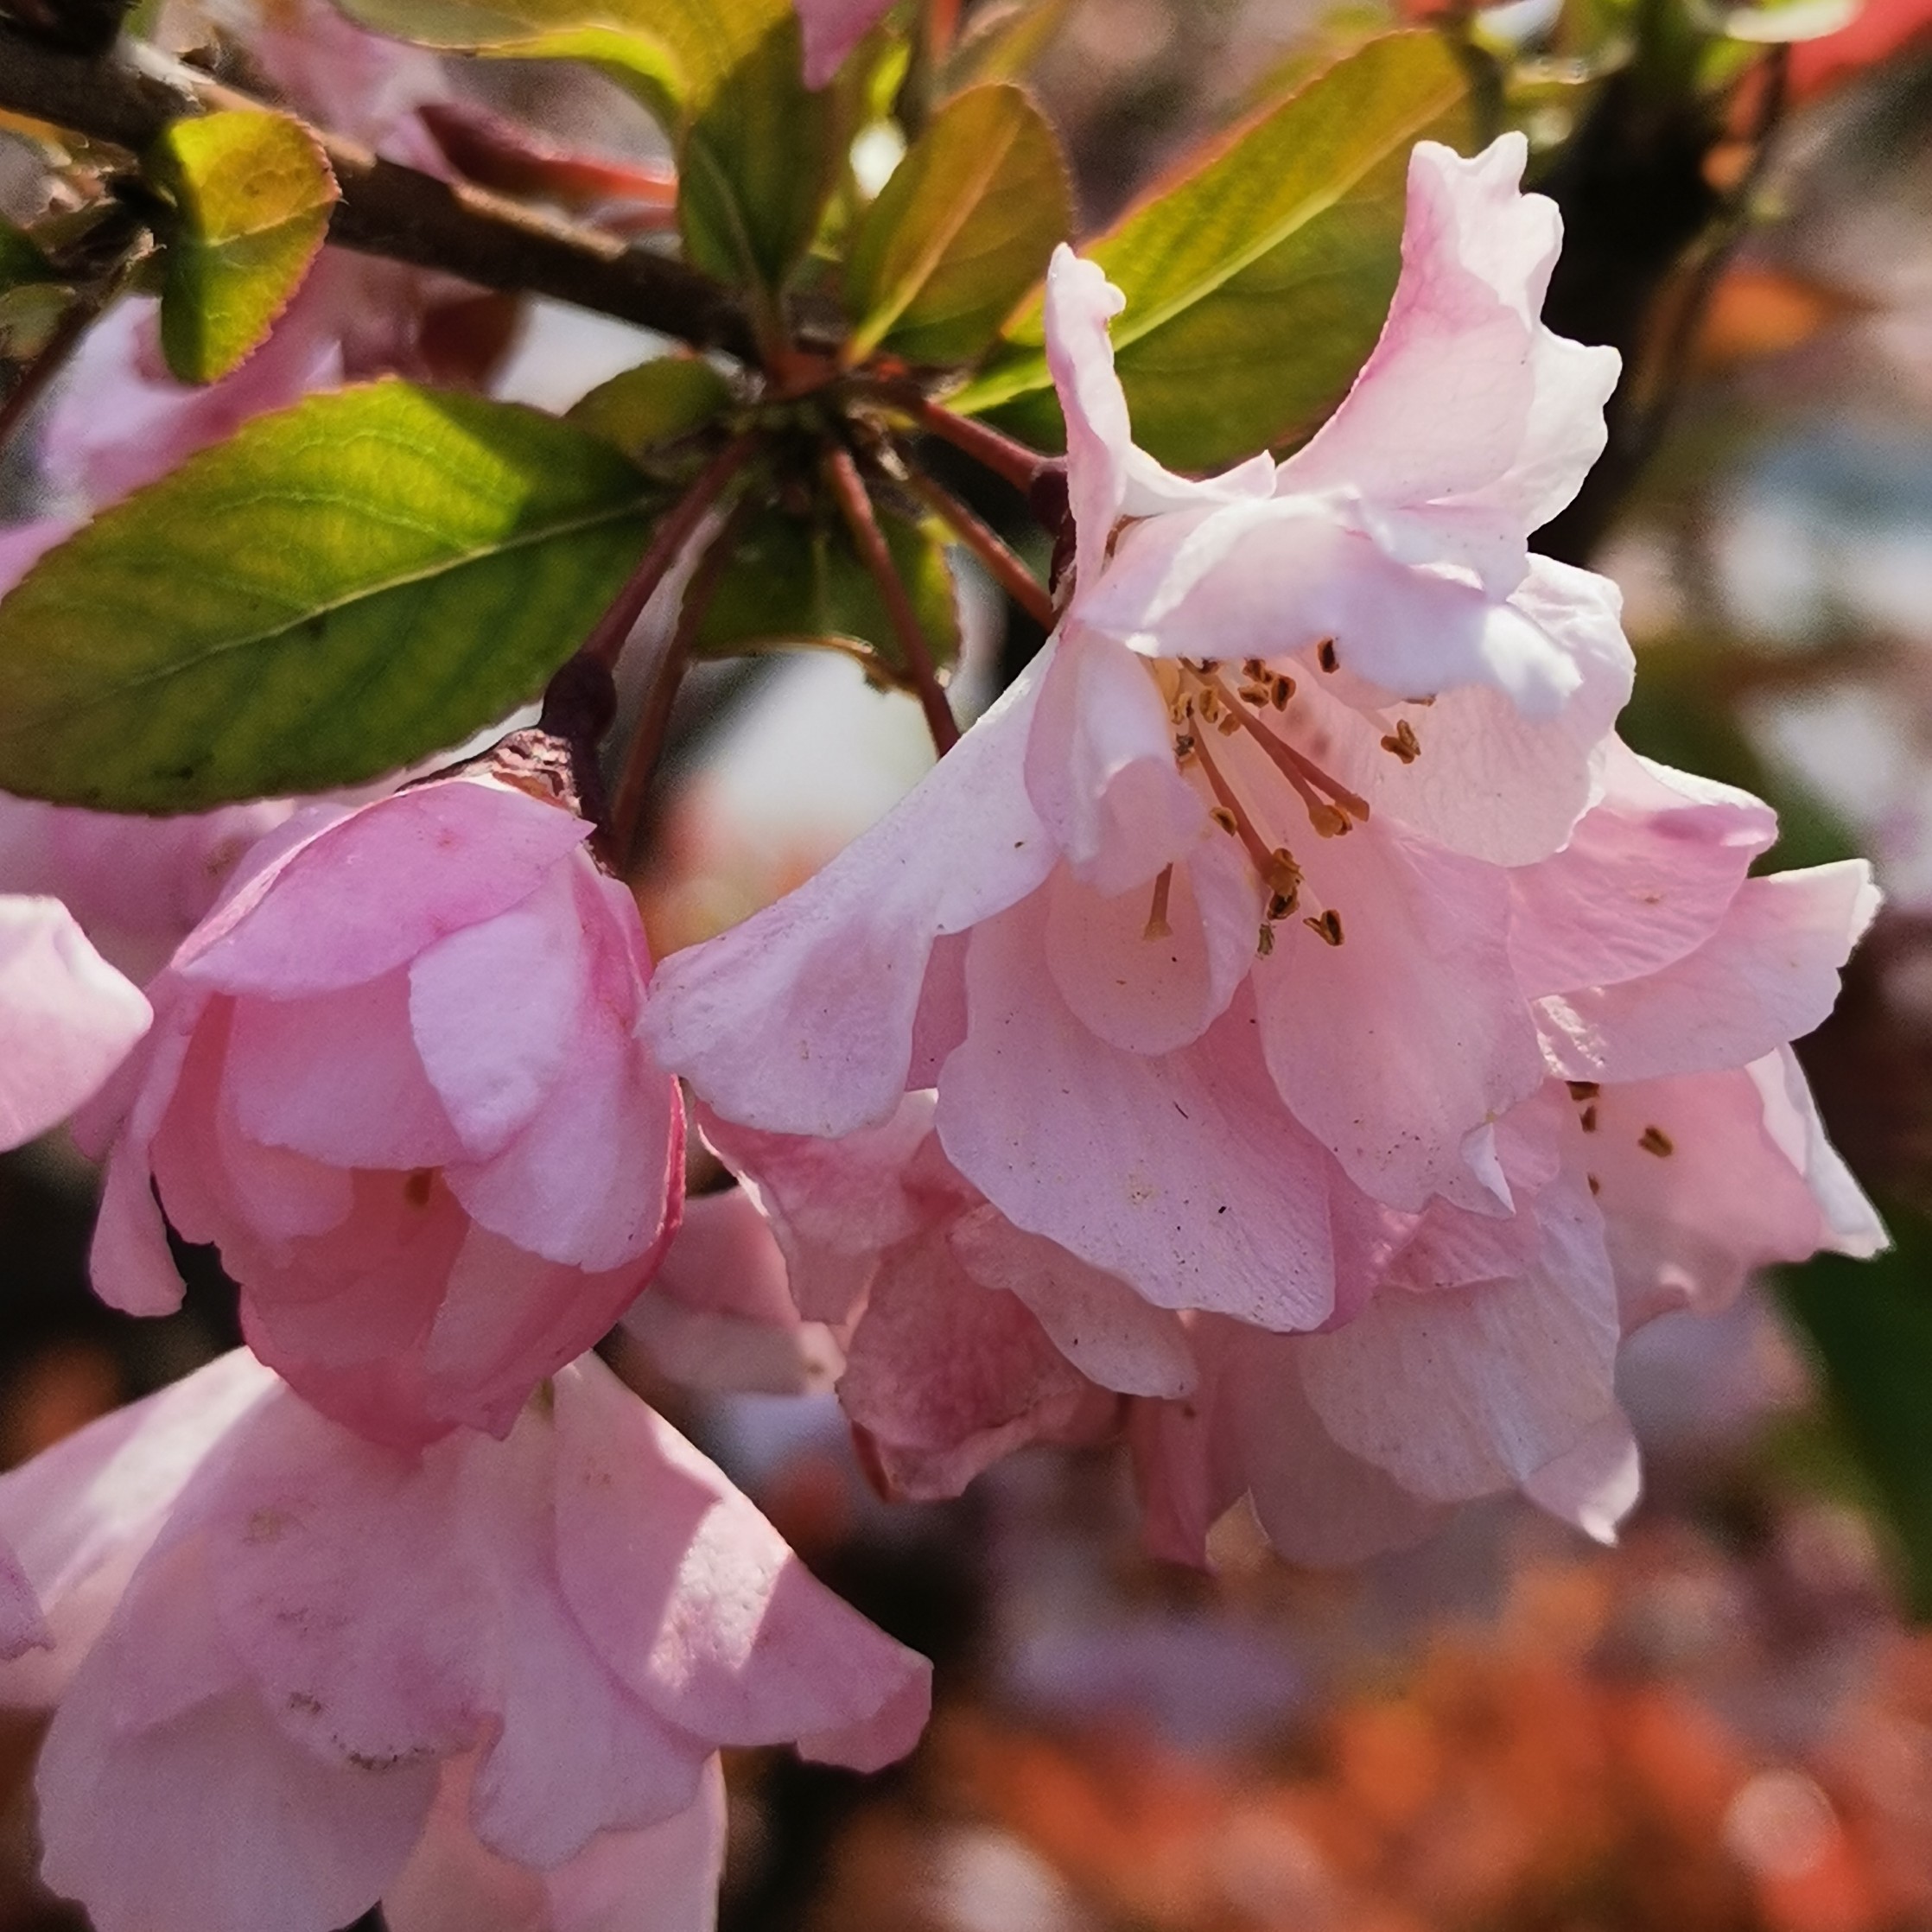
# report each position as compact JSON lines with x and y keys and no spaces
{"x":1723,"y":1723}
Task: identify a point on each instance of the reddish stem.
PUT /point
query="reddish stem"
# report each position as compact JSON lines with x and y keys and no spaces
{"x":606,"y":643}
{"x":1012,"y":575}
{"x":1020,"y":465}
{"x":848,"y":490}
{"x":648,"y":737}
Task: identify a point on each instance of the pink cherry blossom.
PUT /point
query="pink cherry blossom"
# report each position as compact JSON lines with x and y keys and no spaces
{"x":1193,"y":953}
{"x":296,"y":1672}
{"x":832,"y":28}
{"x":1668,"y":1146}
{"x":963,"y":1338}
{"x":67,"y":1019}
{"x":397,"y":1079}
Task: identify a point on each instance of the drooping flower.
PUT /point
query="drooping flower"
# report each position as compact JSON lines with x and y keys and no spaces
{"x":1201,"y":930}
{"x":397,"y":1079}
{"x":67,"y":1019}
{"x":296,"y":1672}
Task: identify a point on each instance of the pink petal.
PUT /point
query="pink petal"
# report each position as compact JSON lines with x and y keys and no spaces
{"x":1767,"y":975}
{"x":1596,"y":1483}
{"x":1101,"y":1326}
{"x":719,"y":1314}
{"x":1470,"y":1390}
{"x":66,"y":1018}
{"x":1490,"y":781}
{"x":596,"y":1177}
{"x":121,"y":420}
{"x":833,"y":1205}
{"x":1100,"y":767}
{"x":562,"y":1708}
{"x":662,"y":1880}
{"x":302,"y":1845}
{"x":832,"y":28}
{"x":1270,"y":579}
{"x":1107,"y":475}
{"x":1469,"y":420}
{"x":800,"y":1021}
{"x":1647,"y":878}
{"x":23,"y":546}
{"x":81,"y":1514}
{"x":1706,"y":1176}
{"x":947,"y":1376}
{"x":1152,"y":995}
{"x":380,"y":886}
{"x":337,"y":1077}
{"x":354,"y":1582}
{"x":1318,"y":1504}
{"x":695,"y":1605}
{"x":1396,"y":1045}
{"x":1183,"y":1174}
{"x":493,"y":1007}
{"x":22,"y":1626}
{"x":506,"y":1320}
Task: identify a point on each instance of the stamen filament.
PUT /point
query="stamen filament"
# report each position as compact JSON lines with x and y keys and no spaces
{"x":1260,"y":855}
{"x":1157,"y":926}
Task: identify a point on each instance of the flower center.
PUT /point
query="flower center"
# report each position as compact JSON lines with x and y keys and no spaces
{"x":1207,"y":704}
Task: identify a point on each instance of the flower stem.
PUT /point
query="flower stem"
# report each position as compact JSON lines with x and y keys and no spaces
{"x":1012,"y":575}
{"x":648,"y":737}
{"x":605,"y":644}
{"x":848,"y":492}
{"x":1016,"y":462}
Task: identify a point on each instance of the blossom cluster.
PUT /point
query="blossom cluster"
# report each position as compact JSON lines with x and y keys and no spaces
{"x":1290,"y":1034}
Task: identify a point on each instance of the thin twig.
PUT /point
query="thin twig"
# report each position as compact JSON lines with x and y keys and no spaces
{"x":605,"y":644}
{"x":648,"y":737}
{"x":32,"y":382}
{"x":986,"y":543}
{"x":989,"y":447}
{"x":848,"y":492}
{"x":387,"y":209}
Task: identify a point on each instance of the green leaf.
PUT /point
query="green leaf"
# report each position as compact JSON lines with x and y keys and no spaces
{"x":657,"y":403}
{"x":1870,"y":1325}
{"x":961,"y":230}
{"x":793,"y":581}
{"x":1257,"y":283}
{"x":252,"y":195}
{"x":344,"y":588}
{"x":758,"y":166}
{"x":673,"y":54}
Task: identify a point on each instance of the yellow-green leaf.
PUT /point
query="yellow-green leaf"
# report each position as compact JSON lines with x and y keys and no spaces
{"x":673,"y":54}
{"x":961,"y":230}
{"x":342,"y":589}
{"x":253,"y":196}
{"x":758,"y":166}
{"x":654,"y":404}
{"x":1257,"y":283}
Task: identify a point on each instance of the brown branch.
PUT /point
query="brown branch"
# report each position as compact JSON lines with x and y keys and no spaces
{"x":387,"y":209}
{"x":1006,"y":570}
{"x":848,"y":492}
